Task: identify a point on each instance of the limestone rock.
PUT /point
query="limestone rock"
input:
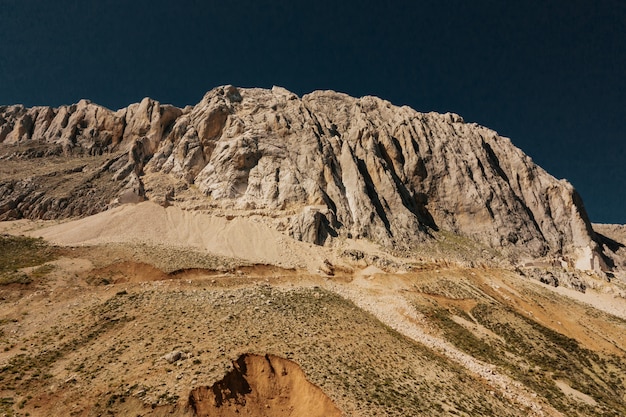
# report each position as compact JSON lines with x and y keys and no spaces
{"x":175,"y":356}
{"x":312,"y":225}
{"x":612,"y":239}
{"x":371,"y":169}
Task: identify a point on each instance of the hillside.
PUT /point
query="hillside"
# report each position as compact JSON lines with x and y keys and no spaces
{"x":97,"y":329}
{"x":263,"y":254}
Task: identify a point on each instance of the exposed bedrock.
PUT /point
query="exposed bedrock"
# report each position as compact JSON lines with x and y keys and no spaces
{"x":353,"y":167}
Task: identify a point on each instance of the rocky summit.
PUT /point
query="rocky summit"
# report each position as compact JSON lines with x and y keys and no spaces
{"x":329,"y":164}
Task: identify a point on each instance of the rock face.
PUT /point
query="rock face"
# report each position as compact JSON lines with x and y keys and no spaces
{"x":334,"y":164}
{"x":612,"y":239}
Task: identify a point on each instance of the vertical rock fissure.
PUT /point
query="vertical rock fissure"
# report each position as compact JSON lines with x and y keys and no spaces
{"x":373,"y":195}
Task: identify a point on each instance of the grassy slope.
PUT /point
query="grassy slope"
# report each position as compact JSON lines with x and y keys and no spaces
{"x":91,"y":349}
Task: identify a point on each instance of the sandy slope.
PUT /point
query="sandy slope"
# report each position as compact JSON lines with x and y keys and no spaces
{"x":245,"y":238}
{"x":151,"y":223}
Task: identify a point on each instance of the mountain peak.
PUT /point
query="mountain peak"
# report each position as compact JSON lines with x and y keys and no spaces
{"x":326,"y":166}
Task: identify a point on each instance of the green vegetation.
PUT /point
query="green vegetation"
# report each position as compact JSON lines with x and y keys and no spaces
{"x":537,"y":356}
{"x":18,"y":252}
{"x":6,"y":406}
{"x":14,"y":277}
{"x":364,"y":365}
{"x":463,"y":338}
{"x":550,"y":356}
{"x":33,"y":367}
{"x":359,"y":362}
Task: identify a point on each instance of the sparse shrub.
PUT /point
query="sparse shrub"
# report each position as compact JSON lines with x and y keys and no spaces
{"x":19,"y":252}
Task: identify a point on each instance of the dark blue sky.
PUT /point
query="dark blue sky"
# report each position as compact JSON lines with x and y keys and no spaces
{"x":551,"y":75}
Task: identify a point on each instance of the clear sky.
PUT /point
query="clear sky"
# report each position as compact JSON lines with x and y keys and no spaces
{"x":549,"y":74}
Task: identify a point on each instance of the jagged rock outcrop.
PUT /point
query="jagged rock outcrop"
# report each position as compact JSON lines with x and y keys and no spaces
{"x":354,"y":167}
{"x":612,"y":239}
{"x":122,"y":139}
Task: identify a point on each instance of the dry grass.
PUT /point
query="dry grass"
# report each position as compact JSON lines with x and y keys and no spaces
{"x":22,"y":252}
{"x":519,"y":345}
{"x":69,"y":347}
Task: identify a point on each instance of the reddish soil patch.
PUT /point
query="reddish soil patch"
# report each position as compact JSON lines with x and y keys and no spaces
{"x":129,"y":271}
{"x":262,"y":386}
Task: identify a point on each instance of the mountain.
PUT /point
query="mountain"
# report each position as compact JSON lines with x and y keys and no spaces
{"x":328,"y":165}
{"x":263,"y":254}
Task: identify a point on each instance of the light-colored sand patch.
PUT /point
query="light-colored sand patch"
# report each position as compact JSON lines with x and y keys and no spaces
{"x":72,"y":265}
{"x":607,"y":302}
{"x":150,"y":223}
{"x":567,"y":390}
{"x":370,"y":270}
{"x":22,"y":226}
{"x":477,"y":329}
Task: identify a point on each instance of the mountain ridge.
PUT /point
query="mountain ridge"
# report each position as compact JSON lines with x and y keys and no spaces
{"x":331,"y":165}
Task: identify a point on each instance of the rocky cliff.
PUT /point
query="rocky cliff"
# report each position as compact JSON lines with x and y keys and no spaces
{"x":331,"y":165}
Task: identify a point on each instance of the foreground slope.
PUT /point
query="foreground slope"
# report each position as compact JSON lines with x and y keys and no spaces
{"x":323,"y":166}
{"x":98,"y":330}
